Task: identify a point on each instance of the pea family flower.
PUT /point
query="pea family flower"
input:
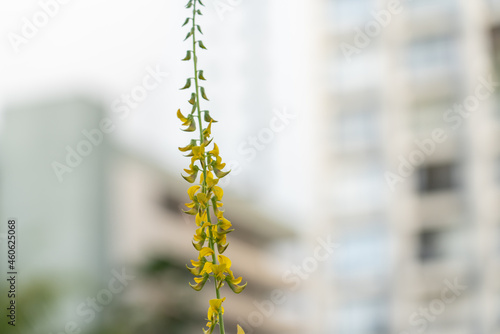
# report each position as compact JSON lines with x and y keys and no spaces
{"x":206,"y":167}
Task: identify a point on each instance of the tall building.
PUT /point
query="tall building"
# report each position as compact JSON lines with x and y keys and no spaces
{"x":413,"y":131}
{"x":53,"y":184}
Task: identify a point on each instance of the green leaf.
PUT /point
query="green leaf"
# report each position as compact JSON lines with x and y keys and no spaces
{"x":200,"y":75}
{"x":201,"y":3}
{"x":188,"y":35}
{"x":203,"y":95}
{"x":187,"y":85}
{"x":199,"y":12}
{"x":186,"y":22}
{"x":189,"y":4}
{"x":188,"y":55}
{"x":199,"y":29}
{"x":193,"y":99}
{"x":207,"y":117}
{"x":202,"y":45}
{"x":194,"y":109}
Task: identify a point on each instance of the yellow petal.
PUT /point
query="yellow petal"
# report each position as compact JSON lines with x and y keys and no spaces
{"x":199,"y":283}
{"x":216,"y":304}
{"x":202,"y":198}
{"x":195,"y":263}
{"x":218,"y":192}
{"x":240,"y":330}
{"x":192,"y":190}
{"x":215,"y":150}
{"x":198,"y":151}
{"x":200,"y":219}
{"x":207,"y":268}
{"x":206,"y":251}
{"x":210,"y":180}
{"x":224,"y":223}
{"x":181,"y":116}
{"x":236,"y":280}
{"x":208,"y":131}
{"x":218,"y":163}
{"x":234,"y":287}
{"x":224,"y":260}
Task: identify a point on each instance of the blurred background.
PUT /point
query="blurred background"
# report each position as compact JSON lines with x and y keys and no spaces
{"x":362,"y":138}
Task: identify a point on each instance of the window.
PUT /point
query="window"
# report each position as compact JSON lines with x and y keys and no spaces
{"x":359,"y":187}
{"x":363,"y":316}
{"x":437,"y":178}
{"x":495,"y":38}
{"x":346,"y":14}
{"x":428,"y":114}
{"x":497,"y":170}
{"x":426,"y":7}
{"x":364,"y":253}
{"x":359,"y":71}
{"x":436,"y":244}
{"x":495,"y":6}
{"x":432,"y":53}
{"x":430,"y":245}
{"x":357,"y":128}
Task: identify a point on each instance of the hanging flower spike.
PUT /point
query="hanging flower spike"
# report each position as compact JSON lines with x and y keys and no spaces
{"x":210,"y":238}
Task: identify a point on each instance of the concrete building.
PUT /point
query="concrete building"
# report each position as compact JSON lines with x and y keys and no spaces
{"x":413,"y":126}
{"x":61,"y":233}
{"x":104,"y":211}
{"x":149,"y":224}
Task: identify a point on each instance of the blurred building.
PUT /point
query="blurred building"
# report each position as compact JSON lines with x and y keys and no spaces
{"x":151,"y":232}
{"x":88,"y":211}
{"x":58,"y":197}
{"x":412,"y":212}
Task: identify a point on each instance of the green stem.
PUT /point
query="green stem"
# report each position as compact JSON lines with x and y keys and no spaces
{"x":204,"y":184}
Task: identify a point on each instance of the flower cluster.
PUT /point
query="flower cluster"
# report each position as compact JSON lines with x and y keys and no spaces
{"x":206,"y":167}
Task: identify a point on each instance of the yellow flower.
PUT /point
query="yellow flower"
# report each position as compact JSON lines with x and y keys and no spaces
{"x":192,"y":190}
{"x":198,"y":152}
{"x":208,"y":131}
{"x":217,"y":167}
{"x":181,"y":117}
{"x":215,"y":150}
{"x":224,"y":260}
{"x":188,"y":147}
{"x":233,"y":282}
{"x":207,"y":268}
{"x":240,"y":330}
{"x":202,"y":199}
{"x":205,"y":251}
{"x":215,"y":308}
{"x":196,"y":267}
{"x":200,"y":282}
{"x":210,"y":180}
{"x":200,"y":237}
{"x":200,"y":219}
{"x":218,"y":163}
{"x":218,"y":192}
{"x":224,"y":223}
{"x":219,"y":270}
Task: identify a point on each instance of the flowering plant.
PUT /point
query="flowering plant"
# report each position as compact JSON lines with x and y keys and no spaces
{"x":210,"y":238}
